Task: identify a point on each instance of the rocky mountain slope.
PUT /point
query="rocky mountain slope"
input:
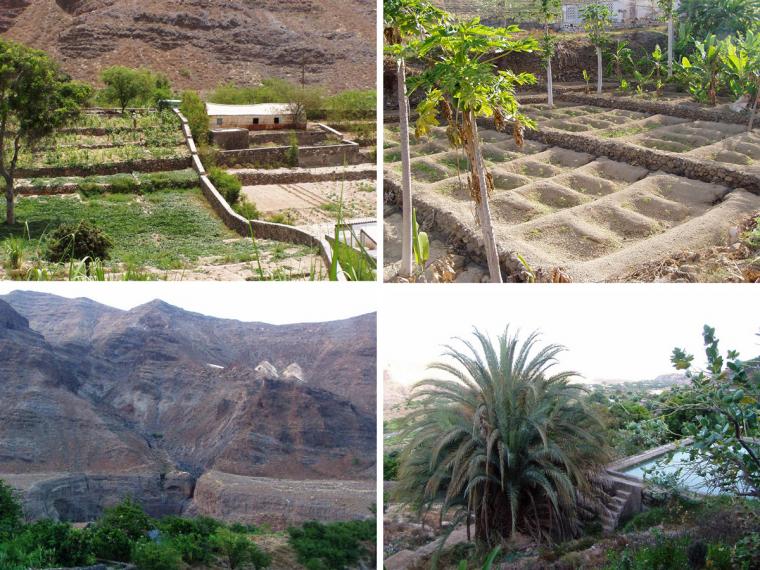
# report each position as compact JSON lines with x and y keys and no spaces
{"x":200,"y":43}
{"x":158,"y":390}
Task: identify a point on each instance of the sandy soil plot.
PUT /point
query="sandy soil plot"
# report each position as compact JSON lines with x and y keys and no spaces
{"x":314,"y":202}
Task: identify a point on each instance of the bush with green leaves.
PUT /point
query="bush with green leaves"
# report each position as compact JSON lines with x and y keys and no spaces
{"x":149,"y":555}
{"x":246,"y":208}
{"x":125,"y":85}
{"x":333,"y":546}
{"x":109,"y":543}
{"x":194,"y":110}
{"x":390,"y":466}
{"x":78,"y":241}
{"x":228,"y":185}
{"x":11,"y":515}
{"x":238,"y":551}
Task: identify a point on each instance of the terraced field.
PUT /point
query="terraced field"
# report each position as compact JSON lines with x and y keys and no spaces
{"x":590,"y":215}
{"x":717,"y":142}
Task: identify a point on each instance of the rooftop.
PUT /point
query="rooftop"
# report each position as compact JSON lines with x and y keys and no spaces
{"x":259,"y":109}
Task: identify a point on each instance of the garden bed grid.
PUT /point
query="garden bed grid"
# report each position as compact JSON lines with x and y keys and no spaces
{"x":590,"y":215}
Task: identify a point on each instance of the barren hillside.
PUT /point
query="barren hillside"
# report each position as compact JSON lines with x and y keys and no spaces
{"x":200,"y":43}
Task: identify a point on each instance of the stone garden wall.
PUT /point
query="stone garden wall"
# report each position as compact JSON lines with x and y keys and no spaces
{"x":148,"y":165}
{"x":685,"y":111}
{"x":306,"y":138}
{"x":255,"y":177}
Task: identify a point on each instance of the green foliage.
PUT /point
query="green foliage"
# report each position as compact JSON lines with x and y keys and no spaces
{"x":11,"y":514}
{"x":63,"y":545}
{"x":502,"y":397}
{"x":148,"y":555}
{"x":747,"y":552}
{"x":390,"y":466}
{"x":720,"y":17}
{"x":83,"y":240}
{"x":333,"y":546}
{"x":291,"y":156}
{"x":228,"y":185}
{"x":110,"y":543}
{"x":128,"y":517}
{"x":701,"y":72}
{"x":14,"y":249}
{"x":664,"y":554}
{"x":647,"y":519}
{"x":246,"y":208}
{"x":194,"y":110}
{"x":125,"y":85}
{"x":725,"y":448}
{"x":596,"y":20}
{"x":238,"y":550}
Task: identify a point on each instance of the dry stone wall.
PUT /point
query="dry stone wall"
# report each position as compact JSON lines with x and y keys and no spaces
{"x":149,"y":165}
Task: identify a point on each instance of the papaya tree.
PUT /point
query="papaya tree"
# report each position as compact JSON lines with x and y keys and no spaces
{"x":548,"y":12}
{"x":668,"y":8}
{"x":405,"y":20}
{"x":35,"y":99}
{"x":741,"y":60}
{"x":596,"y":20}
{"x":463,"y":83}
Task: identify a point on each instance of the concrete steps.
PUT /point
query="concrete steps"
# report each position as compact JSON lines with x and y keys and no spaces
{"x":615,"y":508}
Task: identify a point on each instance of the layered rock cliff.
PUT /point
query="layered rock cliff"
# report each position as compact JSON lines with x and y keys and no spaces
{"x":200,"y":43}
{"x":126,"y":397}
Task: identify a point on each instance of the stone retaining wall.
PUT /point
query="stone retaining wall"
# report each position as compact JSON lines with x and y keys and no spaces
{"x":273,"y":156}
{"x":309,"y":137}
{"x":148,"y":165}
{"x":308,"y":156}
{"x":694,"y":113}
{"x":289,"y":176}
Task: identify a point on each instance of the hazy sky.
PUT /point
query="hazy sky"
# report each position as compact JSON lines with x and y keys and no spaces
{"x":618,"y":332}
{"x":267,"y":302}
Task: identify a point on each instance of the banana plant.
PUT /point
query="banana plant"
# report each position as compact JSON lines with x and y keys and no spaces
{"x":420,"y":243}
{"x":741,"y":61}
{"x":620,"y":58}
{"x":702,"y":71}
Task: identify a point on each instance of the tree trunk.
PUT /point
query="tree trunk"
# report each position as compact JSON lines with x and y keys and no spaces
{"x":549,"y":84}
{"x":406,"y":173}
{"x":670,"y":47}
{"x":10,"y":205}
{"x":753,"y":112}
{"x":599,"y":70}
{"x":478,"y":172}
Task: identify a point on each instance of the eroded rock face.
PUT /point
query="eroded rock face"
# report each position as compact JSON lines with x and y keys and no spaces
{"x":200,"y":43}
{"x":293,"y":372}
{"x":83,"y":498}
{"x":282,"y":502}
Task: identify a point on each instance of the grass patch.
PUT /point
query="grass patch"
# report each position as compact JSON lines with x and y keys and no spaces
{"x":168,"y":230}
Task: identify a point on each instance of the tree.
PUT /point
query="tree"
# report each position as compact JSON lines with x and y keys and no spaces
{"x":35,"y":99}
{"x":496,"y":436}
{"x":194,"y":110}
{"x":124,"y":84}
{"x":596,"y":19}
{"x":668,"y":8}
{"x":720,"y":17}
{"x":549,"y":11}
{"x":726,"y":448}
{"x":403,"y":20}
{"x":463,"y":84}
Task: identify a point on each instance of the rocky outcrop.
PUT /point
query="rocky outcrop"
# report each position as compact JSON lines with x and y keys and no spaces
{"x":281,"y":502}
{"x":293,"y":372}
{"x":83,"y":497}
{"x":201,"y":43}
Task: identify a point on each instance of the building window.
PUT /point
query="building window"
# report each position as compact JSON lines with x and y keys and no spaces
{"x":277,"y":120}
{"x":255,"y":120}
{"x":219,"y":120}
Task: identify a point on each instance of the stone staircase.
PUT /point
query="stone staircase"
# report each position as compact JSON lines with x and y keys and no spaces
{"x":624,"y":502}
{"x":615,"y":509}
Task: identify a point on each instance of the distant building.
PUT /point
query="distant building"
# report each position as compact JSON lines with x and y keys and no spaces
{"x":261,"y":117}
{"x":625,"y":13}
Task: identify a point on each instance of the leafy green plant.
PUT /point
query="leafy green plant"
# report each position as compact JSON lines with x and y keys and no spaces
{"x":238,"y":550}
{"x":420,"y":242}
{"x":701,"y":73}
{"x":194,"y":110}
{"x":149,"y":555}
{"x":587,"y":79}
{"x":14,"y":249}
{"x":11,"y":514}
{"x":291,"y":156}
{"x":228,"y":185}
{"x":596,"y":19}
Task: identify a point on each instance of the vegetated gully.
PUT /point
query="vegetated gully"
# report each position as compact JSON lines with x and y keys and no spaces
{"x":591,"y":215}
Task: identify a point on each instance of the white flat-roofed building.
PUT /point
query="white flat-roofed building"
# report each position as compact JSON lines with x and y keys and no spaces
{"x":262,"y":116}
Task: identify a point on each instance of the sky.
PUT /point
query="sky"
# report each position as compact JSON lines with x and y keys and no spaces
{"x":278,"y":303}
{"x":612,"y":332}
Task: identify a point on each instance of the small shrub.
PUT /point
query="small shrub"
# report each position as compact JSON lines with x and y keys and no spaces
{"x":10,"y":510}
{"x":64,"y":545}
{"x":154,"y":556}
{"x":78,"y":241}
{"x":193,"y":548}
{"x":89,"y":189}
{"x":238,"y":550}
{"x":287,"y":217}
{"x":390,"y":466}
{"x":291,"y":157}
{"x":697,"y":554}
{"x":124,"y":186}
{"x":333,"y":546}
{"x":228,"y":185}
{"x":109,"y":543}
{"x":647,"y":519}
{"x":247,"y":209}
{"x":747,"y":551}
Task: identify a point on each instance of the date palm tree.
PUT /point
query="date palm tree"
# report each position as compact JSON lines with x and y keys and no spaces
{"x":503,"y":441}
